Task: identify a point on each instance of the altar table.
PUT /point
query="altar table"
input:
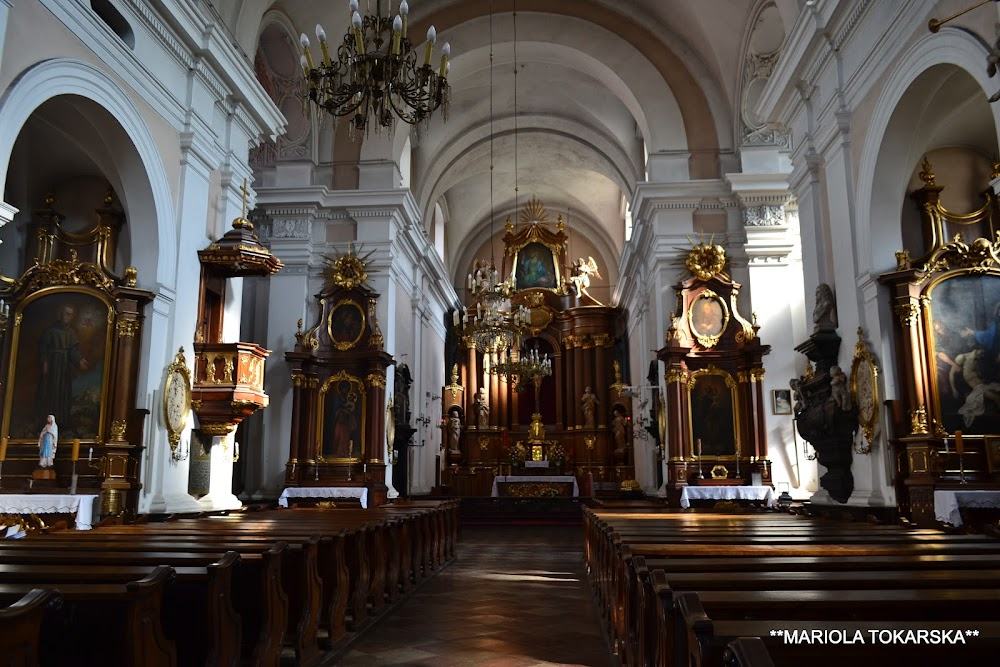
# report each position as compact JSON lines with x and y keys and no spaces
{"x":534,"y":479}
{"x":948,"y":503}
{"x":359,"y":492}
{"x":51,"y":503}
{"x":758,"y":493}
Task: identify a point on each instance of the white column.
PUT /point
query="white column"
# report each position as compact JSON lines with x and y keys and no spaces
{"x":220,"y":491}
{"x":289,"y":300}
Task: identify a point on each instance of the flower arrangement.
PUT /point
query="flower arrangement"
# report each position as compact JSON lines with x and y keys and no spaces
{"x":558,"y":455}
{"x":516,"y":454}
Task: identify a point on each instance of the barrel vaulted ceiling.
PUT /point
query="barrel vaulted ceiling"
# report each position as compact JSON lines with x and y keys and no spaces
{"x":600,"y":86}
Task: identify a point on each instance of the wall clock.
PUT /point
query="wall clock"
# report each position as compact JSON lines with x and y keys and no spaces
{"x":176,"y":399}
{"x":864,"y":388}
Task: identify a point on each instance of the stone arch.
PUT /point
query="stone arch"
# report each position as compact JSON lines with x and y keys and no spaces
{"x":890,"y":151}
{"x":142,"y":182}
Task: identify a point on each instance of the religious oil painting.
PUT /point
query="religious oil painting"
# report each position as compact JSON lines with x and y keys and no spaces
{"x":708,"y":316}
{"x":342,"y":417}
{"x":781,"y":401}
{"x":535,"y":267}
{"x":60,"y":348}
{"x":964,"y":335}
{"x":347,"y":324}
{"x":712,"y":406}
{"x":992,"y":444}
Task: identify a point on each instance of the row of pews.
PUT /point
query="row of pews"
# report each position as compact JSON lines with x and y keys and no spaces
{"x":248,"y":588}
{"x":754,"y":590}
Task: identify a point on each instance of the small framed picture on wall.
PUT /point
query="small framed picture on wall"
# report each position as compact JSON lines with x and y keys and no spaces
{"x":781,"y":401}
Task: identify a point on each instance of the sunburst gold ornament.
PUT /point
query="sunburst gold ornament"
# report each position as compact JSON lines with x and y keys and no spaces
{"x":705,"y":260}
{"x":348,"y":270}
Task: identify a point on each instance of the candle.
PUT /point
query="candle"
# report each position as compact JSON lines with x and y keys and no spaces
{"x":90,"y":455}
{"x":699,"y":446}
{"x":404,"y":9}
{"x":445,"y":52}
{"x":359,"y":41}
{"x":304,"y":41}
{"x":3,"y":448}
{"x":397,"y":30}
{"x":431,"y":38}
{"x":958,"y":443}
{"x":76,"y":450}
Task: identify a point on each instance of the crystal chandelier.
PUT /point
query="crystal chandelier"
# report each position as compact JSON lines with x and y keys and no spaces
{"x":494,"y":327}
{"x":376,"y":74}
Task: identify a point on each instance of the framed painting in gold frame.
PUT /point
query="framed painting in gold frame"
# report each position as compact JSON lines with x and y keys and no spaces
{"x":346,"y":324}
{"x":963,"y":334}
{"x":713,"y":413}
{"x":60,"y":345}
{"x":992,"y":446}
{"x":341,"y":418}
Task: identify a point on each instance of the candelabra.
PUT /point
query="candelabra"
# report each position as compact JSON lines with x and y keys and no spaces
{"x":375,"y":74}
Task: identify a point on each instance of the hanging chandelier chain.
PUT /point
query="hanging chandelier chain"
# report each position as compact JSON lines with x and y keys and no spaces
{"x":515,"y":115}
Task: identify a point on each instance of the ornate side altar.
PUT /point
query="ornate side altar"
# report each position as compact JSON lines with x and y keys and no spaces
{"x":338,"y":371}
{"x":946,"y":298}
{"x":582,"y":341}
{"x":72,"y":332}
{"x":714,"y":374}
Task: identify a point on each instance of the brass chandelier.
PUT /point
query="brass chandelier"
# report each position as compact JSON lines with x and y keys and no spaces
{"x":375,"y":75}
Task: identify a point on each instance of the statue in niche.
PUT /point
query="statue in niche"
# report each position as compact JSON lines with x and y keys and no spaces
{"x":590,"y":403}
{"x":618,"y":423}
{"x":483,"y":408}
{"x":825,"y":312}
{"x":838,"y":389}
{"x":454,"y":430}
{"x":579,"y":278}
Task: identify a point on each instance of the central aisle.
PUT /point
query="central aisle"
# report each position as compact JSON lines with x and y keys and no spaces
{"x":514,"y":597}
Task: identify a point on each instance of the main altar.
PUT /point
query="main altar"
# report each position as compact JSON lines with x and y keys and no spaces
{"x":559,"y":395}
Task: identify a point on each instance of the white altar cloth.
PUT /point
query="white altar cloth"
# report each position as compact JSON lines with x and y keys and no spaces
{"x":51,"y":503}
{"x":359,"y":492}
{"x":947,"y":503}
{"x":764,"y":493}
{"x":534,"y":478}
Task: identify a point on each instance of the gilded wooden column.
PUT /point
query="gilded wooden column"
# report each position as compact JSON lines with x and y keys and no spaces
{"x":678,"y":450}
{"x":293,"y":470}
{"x":569,"y":413}
{"x":310,"y":399}
{"x":494,"y":381}
{"x":559,"y":371}
{"x":503,"y":401}
{"x":909,"y":319}
{"x":588,"y":374}
{"x":601,"y":376}
{"x":472,"y":386}
{"x":578,"y":383}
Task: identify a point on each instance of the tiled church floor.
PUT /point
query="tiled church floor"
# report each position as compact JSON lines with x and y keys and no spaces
{"x":514,"y":597}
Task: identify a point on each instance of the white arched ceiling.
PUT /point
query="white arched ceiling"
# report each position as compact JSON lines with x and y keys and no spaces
{"x":600,"y":84}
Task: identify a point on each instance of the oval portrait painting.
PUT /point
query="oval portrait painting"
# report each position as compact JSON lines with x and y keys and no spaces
{"x":347,"y":324}
{"x":707,"y":317}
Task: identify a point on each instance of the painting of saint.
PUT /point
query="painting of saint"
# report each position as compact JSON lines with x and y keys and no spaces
{"x":535,"y":267}
{"x":707,"y":316}
{"x":965,"y":348}
{"x":712,"y":416}
{"x":347,"y":322}
{"x":61,"y":363}
{"x":343,"y":419}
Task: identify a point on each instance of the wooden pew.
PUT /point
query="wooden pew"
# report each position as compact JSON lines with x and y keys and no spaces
{"x":21,"y":626}
{"x":112,"y":623}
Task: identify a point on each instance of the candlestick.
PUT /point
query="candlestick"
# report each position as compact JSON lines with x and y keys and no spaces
{"x":3,"y":449}
{"x":699,"y":447}
{"x":75,"y":456}
{"x":959,"y":447}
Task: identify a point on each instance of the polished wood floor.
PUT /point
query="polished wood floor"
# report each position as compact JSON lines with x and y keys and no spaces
{"x":514,"y":597}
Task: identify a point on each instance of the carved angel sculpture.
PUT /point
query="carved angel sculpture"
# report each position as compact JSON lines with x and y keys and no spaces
{"x":579,"y":279}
